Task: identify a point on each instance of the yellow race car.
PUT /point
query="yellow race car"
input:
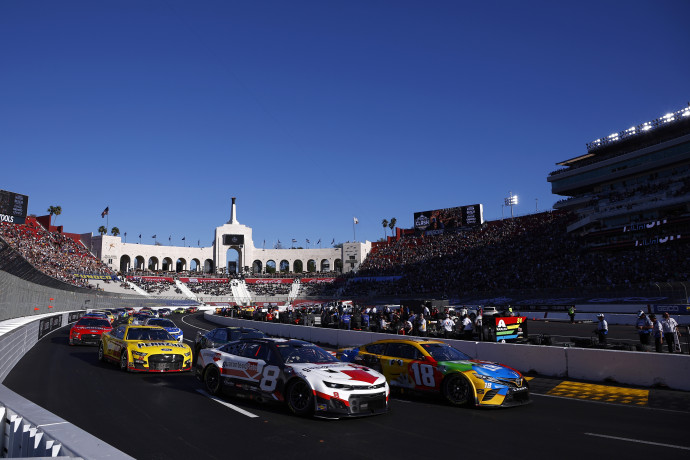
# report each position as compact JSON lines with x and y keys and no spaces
{"x":434,"y":366}
{"x":144,"y":349}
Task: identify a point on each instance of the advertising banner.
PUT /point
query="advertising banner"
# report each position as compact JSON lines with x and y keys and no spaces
{"x":205,"y":280}
{"x":49,"y":324}
{"x":86,"y":276}
{"x":317,"y":280}
{"x":509,"y":327}
{"x":151,"y":278}
{"x":440,"y":220}
{"x":680,"y":309}
{"x":269,"y":280}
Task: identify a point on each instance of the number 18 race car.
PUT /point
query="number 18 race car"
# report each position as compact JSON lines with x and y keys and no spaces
{"x":145,"y":349}
{"x":435,"y":366}
{"x":304,"y":376}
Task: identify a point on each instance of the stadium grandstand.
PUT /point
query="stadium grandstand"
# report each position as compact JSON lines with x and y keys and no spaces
{"x":621,"y":231}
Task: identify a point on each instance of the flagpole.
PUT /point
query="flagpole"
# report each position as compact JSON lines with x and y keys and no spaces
{"x":354,"y":232}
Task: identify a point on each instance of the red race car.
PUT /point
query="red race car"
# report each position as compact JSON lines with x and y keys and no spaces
{"x":87,"y":331}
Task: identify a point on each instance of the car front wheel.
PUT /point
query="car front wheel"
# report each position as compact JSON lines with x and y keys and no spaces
{"x":456,"y":390}
{"x":300,"y":398}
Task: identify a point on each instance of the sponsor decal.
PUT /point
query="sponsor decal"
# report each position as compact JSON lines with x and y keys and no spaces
{"x":6,"y":218}
{"x":160,"y":344}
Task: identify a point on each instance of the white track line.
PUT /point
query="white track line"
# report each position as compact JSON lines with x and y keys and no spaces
{"x":228,"y":405}
{"x":638,"y":441}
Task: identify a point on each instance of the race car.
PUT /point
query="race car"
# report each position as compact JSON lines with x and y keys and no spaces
{"x":168,"y":325}
{"x":107,"y":313}
{"x":144,"y":349}
{"x":435,"y":366}
{"x":192,"y":309}
{"x":222,"y":335}
{"x":302,"y":375}
{"x":180,"y":311}
{"x":88,"y":331}
{"x":138,"y":319}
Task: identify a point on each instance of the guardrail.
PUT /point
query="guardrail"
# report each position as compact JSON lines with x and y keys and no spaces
{"x":625,"y":367}
{"x":27,"y":430}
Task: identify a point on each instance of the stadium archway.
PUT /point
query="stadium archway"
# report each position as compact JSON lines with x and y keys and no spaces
{"x":297,"y":266}
{"x":139,"y":263}
{"x":311,"y":265}
{"x":257,"y":267}
{"x":325,"y":265}
{"x":180,"y":265}
{"x":208,"y":266}
{"x":271,"y":266}
{"x":153,"y":264}
{"x":167,"y":264}
{"x":194,"y":265}
{"x":233,"y":258}
{"x":284,"y":266}
{"x":338,"y":265}
{"x":125,"y":264}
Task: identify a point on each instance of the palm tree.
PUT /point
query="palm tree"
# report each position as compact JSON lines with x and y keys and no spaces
{"x":384,"y":222}
{"x":392,"y":224}
{"x":115,"y":231}
{"x":102,"y":230}
{"x":54,"y":211}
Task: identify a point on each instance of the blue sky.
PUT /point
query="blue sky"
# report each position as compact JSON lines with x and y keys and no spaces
{"x":313,"y":112}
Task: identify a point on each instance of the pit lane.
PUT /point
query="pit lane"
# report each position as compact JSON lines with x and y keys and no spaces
{"x":164,"y":416}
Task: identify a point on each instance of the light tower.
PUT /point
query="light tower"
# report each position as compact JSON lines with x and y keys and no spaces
{"x":511,"y":201}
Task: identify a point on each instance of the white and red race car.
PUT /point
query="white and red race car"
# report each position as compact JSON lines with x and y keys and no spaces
{"x":310,"y":380}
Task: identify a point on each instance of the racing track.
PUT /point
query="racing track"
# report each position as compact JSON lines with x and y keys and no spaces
{"x":165,"y":417}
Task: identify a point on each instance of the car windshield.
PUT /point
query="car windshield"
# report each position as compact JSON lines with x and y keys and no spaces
{"x":304,"y":353}
{"x":93,"y":322}
{"x":148,"y":333}
{"x":444,"y":352}
{"x":161,"y":323}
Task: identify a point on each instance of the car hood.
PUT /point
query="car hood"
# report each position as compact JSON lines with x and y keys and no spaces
{"x":490,"y":369}
{"x":152,"y":346}
{"x":352,"y":374}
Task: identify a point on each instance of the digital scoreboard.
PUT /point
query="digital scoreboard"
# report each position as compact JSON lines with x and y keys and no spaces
{"x":13,"y":207}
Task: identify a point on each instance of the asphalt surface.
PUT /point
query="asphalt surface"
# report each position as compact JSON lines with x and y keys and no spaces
{"x":165,"y":416}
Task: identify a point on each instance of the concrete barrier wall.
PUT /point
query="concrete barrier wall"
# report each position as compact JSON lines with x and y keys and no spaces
{"x":625,"y":367}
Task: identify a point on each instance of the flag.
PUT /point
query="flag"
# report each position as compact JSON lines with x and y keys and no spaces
{"x":198,"y":242}
{"x":294,"y":240}
{"x":278,"y":241}
{"x":105,"y":212}
{"x":333,"y":241}
{"x":307,"y":240}
{"x":153,"y":236}
{"x":139,"y":235}
{"x":170,"y":238}
{"x":355,"y":220}
{"x":319,"y":242}
{"x":183,"y":238}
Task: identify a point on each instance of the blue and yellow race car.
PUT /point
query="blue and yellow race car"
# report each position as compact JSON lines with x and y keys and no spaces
{"x":435,"y":366}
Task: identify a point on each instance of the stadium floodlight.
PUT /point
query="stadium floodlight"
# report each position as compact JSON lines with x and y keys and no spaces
{"x":671,"y":117}
{"x":511,"y":201}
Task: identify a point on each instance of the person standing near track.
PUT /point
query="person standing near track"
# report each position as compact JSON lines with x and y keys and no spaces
{"x":670,"y":328}
{"x":644,"y":328}
{"x":657,"y":333}
{"x":447,"y":324}
{"x":602,"y":329}
{"x":571,"y":313}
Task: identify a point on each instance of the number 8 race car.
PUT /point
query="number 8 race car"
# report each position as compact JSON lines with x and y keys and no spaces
{"x":435,"y":366}
{"x":306,"y":377}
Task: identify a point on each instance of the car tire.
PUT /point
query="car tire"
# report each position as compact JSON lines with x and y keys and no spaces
{"x":101,"y":354}
{"x":300,"y":398}
{"x":212,"y":380}
{"x":457,"y":390}
{"x":124,"y":361}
